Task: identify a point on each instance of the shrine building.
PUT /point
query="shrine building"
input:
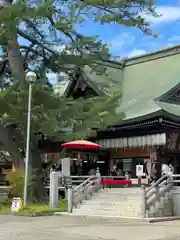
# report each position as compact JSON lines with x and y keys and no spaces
{"x":150,"y":130}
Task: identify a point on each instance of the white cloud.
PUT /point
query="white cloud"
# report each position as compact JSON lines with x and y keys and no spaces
{"x":168,"y":14}
{"x":126,"y":45}
{"x":123,"y":40}
{"x":136,"y":52}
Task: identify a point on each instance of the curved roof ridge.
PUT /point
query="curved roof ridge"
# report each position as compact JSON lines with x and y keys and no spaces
{"x":161,"y":53}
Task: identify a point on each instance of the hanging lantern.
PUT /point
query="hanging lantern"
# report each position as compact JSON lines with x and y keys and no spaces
{"x":148,"y":140}
{"x":129,"y":142}
{"x":113,"y":143}
{"x":144,"y":142}
{"x":154,"y":140}
{"x":139,"y":142}
{"x":125,"y":142}
{"x":116,"y":143}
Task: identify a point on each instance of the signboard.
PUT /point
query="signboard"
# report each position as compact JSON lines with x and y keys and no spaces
{"x":16,"y":204}
{"x":139,"y":171}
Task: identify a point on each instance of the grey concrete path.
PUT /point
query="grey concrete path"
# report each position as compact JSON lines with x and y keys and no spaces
{"x":72,"y":228}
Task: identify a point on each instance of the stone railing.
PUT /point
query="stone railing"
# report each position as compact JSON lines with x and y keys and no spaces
{"x":85,"y":190}
{"x":74,"y":194}
{"x":152,"y":195}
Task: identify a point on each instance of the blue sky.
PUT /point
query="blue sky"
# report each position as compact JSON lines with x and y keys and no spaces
{"x":124,"y":41}
{"x":129,"y":42}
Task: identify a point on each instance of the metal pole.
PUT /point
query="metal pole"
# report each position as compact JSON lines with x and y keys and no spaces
{"x":27,"y":145}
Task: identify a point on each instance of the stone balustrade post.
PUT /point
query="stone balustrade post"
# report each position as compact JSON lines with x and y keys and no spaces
{"x":69,"y":189}
{"x":143,"y":202}
{"x":54,"y":191}
{"x":70,"y":199}
{"x":98,"y":178}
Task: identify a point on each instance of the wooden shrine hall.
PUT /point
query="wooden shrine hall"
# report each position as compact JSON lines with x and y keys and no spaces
{"x":150,"y":132}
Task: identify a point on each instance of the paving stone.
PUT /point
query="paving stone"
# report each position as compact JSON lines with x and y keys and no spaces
{"x":72,"y":228}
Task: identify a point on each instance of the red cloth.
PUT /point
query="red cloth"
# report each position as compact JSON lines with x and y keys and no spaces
{"x":120,"y":182}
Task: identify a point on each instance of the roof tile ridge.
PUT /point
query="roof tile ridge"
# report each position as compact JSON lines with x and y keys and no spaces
{"x":161,"y":53}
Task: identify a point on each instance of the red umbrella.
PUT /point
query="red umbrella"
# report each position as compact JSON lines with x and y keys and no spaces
{"x":81,"y":144}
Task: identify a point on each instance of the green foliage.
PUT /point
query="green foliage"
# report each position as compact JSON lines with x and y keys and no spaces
{"x":34,"y":209}
{"x":52,"y":114}
{"x":56,"y":45}
{"x":50,"y":25}
{"x":5,"y":206}
{"x":16,"y":182}
{"x":44,"y":208}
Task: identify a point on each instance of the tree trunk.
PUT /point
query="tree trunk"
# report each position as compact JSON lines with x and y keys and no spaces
{"x":37,"y":192}
{"x":17,"y":68}
{"x":15,"y":60}
{"x":10,"y":145}
{"x":16,"y":64}
{"x":14,"y":56}
{"x":36,"y":188}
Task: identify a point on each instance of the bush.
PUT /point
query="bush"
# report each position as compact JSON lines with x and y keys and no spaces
{"x":16,"y":181}
{"x":37,"y":208}
{"x":34,"y":208}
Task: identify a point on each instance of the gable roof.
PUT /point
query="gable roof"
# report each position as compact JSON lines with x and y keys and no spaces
{"x":144,"y":81}
{"x":76,"y":80}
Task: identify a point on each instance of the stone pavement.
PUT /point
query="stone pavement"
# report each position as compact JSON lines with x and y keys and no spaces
{"x":75,"y":228}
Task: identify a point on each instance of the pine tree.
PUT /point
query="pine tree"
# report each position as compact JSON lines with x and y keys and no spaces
{"x":52,"y":44}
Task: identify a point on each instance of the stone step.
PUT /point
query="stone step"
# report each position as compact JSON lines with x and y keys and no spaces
{"x":119,"y":193}
{"x":121,"y":190}
{"x":124,"y":205}
{"x":119,"y":202}
{"x":94,"y":215}
{"x":110,"y":209}
{"x":107,"y":210}
{"x":118,"y":198}
{"x":111,"y":203}
{"x":108,"y":213}
{"x":103,"y":206}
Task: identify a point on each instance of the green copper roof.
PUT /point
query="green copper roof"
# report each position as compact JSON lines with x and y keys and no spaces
{"x":109,"y":81}
{"x":142,"y":81}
